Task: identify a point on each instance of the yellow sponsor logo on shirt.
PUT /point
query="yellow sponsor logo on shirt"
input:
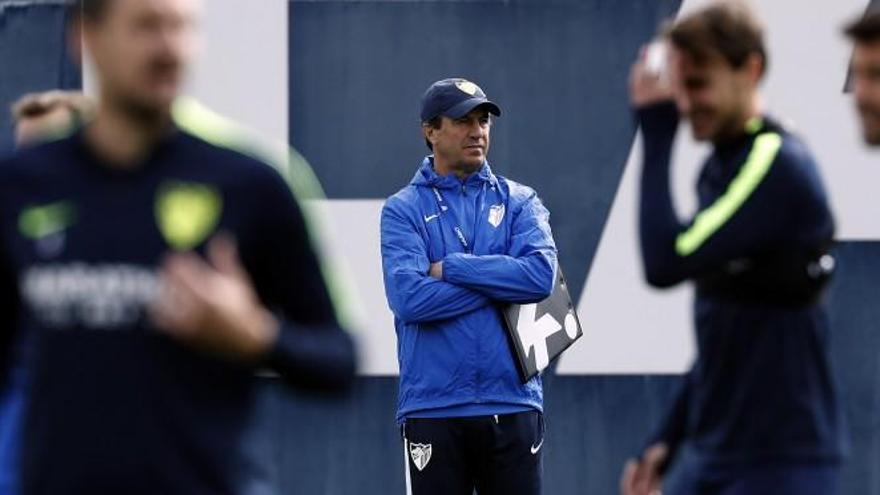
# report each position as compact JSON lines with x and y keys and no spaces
{"x":187,"y":213}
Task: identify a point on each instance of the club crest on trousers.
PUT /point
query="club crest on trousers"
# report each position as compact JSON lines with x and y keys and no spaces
{"x":421,"y":454}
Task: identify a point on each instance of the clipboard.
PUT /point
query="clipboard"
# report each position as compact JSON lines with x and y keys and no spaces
{"x":540,"y":332}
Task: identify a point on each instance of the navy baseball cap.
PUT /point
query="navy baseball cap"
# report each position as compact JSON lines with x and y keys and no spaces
{"x":454,"y":98}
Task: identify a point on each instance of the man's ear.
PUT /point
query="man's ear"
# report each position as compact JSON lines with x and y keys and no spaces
{"x":429,"y":131}
{"x":755,"y":67}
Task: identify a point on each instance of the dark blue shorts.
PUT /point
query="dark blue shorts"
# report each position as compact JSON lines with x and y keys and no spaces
{"x":494,"y":455}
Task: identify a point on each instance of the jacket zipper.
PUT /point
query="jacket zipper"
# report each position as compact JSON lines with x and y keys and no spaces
{"x":477,"y":350}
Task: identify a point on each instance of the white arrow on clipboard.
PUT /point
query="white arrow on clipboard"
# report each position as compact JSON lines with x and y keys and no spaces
{"x":534,"y":333}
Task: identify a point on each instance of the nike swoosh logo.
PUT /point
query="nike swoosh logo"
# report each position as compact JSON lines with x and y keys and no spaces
{"x":428,"y":218}
{"x":536,"y":448}
{"x":37,"y":222}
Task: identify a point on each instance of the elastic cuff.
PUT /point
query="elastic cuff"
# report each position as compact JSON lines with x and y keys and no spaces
{"x":452,"y":267}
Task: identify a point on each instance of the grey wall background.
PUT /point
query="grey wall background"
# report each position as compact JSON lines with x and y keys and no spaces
{"x":558,"y":69}
{"x":32,"y":55}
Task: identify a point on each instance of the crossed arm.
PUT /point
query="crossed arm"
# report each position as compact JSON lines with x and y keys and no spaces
{"x":419,"y":290}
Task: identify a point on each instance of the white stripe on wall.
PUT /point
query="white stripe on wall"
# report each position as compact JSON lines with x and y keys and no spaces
{"x":632,"y":329}
{"x":242,"y":71}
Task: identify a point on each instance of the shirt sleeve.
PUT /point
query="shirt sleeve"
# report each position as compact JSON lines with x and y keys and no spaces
{"x":412,"y":294}
{"x":526,"y":274}
{"x":10,"y":308}
{"x":312,"y":349}
{"x":753,"y":215}
{"x":673,"y":429}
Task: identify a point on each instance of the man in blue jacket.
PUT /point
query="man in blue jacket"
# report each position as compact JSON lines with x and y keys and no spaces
{"x":457,"y":243}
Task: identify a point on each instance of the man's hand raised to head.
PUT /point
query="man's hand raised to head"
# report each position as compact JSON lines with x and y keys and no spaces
{"x":650,"y":78}
{"x":212,"y":306}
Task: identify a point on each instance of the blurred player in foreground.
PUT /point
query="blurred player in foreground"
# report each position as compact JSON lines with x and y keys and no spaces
{"x":759,"y":407}
{"x":37,"y":117}
{"x":154,"y":273}
{"x":865,"y":81}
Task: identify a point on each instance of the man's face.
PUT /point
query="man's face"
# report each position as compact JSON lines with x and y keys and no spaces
{"x":462,"y":143}
{"x":34,"y":129}
{"x":141,"y":49}
{"x":866,"y":88}
{"x":712,"y":95}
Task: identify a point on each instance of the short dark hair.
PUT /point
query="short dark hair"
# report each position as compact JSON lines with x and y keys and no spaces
{"x":93,"y":10}
{"x":866,"y":29}
{"x":729,"y":29}
{"x":436,"y":123}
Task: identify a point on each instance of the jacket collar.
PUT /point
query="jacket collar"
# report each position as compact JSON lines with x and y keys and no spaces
{"x":426,"y":176}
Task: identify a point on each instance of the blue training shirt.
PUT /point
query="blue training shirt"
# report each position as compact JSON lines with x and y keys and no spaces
{"x":761,"y":388}
{"x":113,"y":405}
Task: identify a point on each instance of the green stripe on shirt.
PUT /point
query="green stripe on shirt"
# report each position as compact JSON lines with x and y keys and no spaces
{"x":710,"y":220}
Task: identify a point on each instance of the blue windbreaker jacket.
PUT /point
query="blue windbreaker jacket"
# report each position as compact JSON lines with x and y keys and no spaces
{"x":493,"y":237}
